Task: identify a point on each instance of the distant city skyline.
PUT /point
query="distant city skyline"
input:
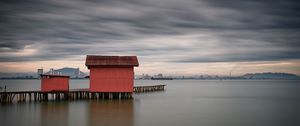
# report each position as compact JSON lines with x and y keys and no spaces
{"x":177,"y":37}
{"x":186,"y":69}
{"x":75,"y":73}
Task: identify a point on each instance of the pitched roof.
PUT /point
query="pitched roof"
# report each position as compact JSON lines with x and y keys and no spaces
{"x":93,"y":60}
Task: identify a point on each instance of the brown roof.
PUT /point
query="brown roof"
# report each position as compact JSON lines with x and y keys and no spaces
{"x":92,"y":60}
{"x":55,"y":75}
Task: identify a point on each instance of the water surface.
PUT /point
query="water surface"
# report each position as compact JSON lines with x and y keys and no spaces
{"x":183,"y":103}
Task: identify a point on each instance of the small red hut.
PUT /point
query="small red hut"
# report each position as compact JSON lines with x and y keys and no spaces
{"x":111,"y":73}
{"x":54,"y":82}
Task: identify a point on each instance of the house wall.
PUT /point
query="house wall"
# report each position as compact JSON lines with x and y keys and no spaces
{"x":111,"y":79}
{"x":50,"y":84}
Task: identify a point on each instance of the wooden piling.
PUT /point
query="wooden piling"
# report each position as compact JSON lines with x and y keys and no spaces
{"x":80,"y":94}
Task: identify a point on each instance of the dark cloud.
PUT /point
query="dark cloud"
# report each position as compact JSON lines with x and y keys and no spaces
{"x":175,"y":31}
{"x":244,"y":57}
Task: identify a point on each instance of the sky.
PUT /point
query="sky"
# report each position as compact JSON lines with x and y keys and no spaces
{"x":173,"y":37}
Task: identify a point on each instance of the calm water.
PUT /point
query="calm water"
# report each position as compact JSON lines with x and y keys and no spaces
{"x":184,"y":103}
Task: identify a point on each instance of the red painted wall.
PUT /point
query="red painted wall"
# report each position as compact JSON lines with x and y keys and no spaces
{"x":111,"y":79}
{"x":55,"y":83}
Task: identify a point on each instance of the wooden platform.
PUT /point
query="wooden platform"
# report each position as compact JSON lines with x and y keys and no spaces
{"x":142,"y":89}
{"x":77,"y":94}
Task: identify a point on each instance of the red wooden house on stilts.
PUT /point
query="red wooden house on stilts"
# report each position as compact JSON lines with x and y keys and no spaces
{"x":113,"y":74}
{"x":54,"y":82}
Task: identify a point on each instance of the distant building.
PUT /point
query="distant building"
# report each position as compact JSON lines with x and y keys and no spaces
{"x":39,"y":72}
{"x":77,"y":73}
{"x":146,"y":76}
{"x":158,"y":76}
{"x":51,"y":71}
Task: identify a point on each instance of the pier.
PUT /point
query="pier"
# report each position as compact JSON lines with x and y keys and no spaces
{"x":78,"y":94}
{"x":142,"y":89}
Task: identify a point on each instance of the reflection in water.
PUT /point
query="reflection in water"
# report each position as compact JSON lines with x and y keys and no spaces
{"x":184,"y":103}
{"x":111,"y":113}
{"x":54,"y":113}
{"x":91,"y":113}
{"x":71,"y":113}
{"x":20,"y":114}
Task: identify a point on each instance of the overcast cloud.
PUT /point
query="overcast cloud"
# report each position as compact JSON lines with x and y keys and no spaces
{"x":169,"y":31}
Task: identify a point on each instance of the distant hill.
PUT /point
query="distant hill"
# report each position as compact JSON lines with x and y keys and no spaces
{"x":269,"y":75}
{"x":30,"y":75}
{"x":18,"y":75}
{"x":69,"y":71}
